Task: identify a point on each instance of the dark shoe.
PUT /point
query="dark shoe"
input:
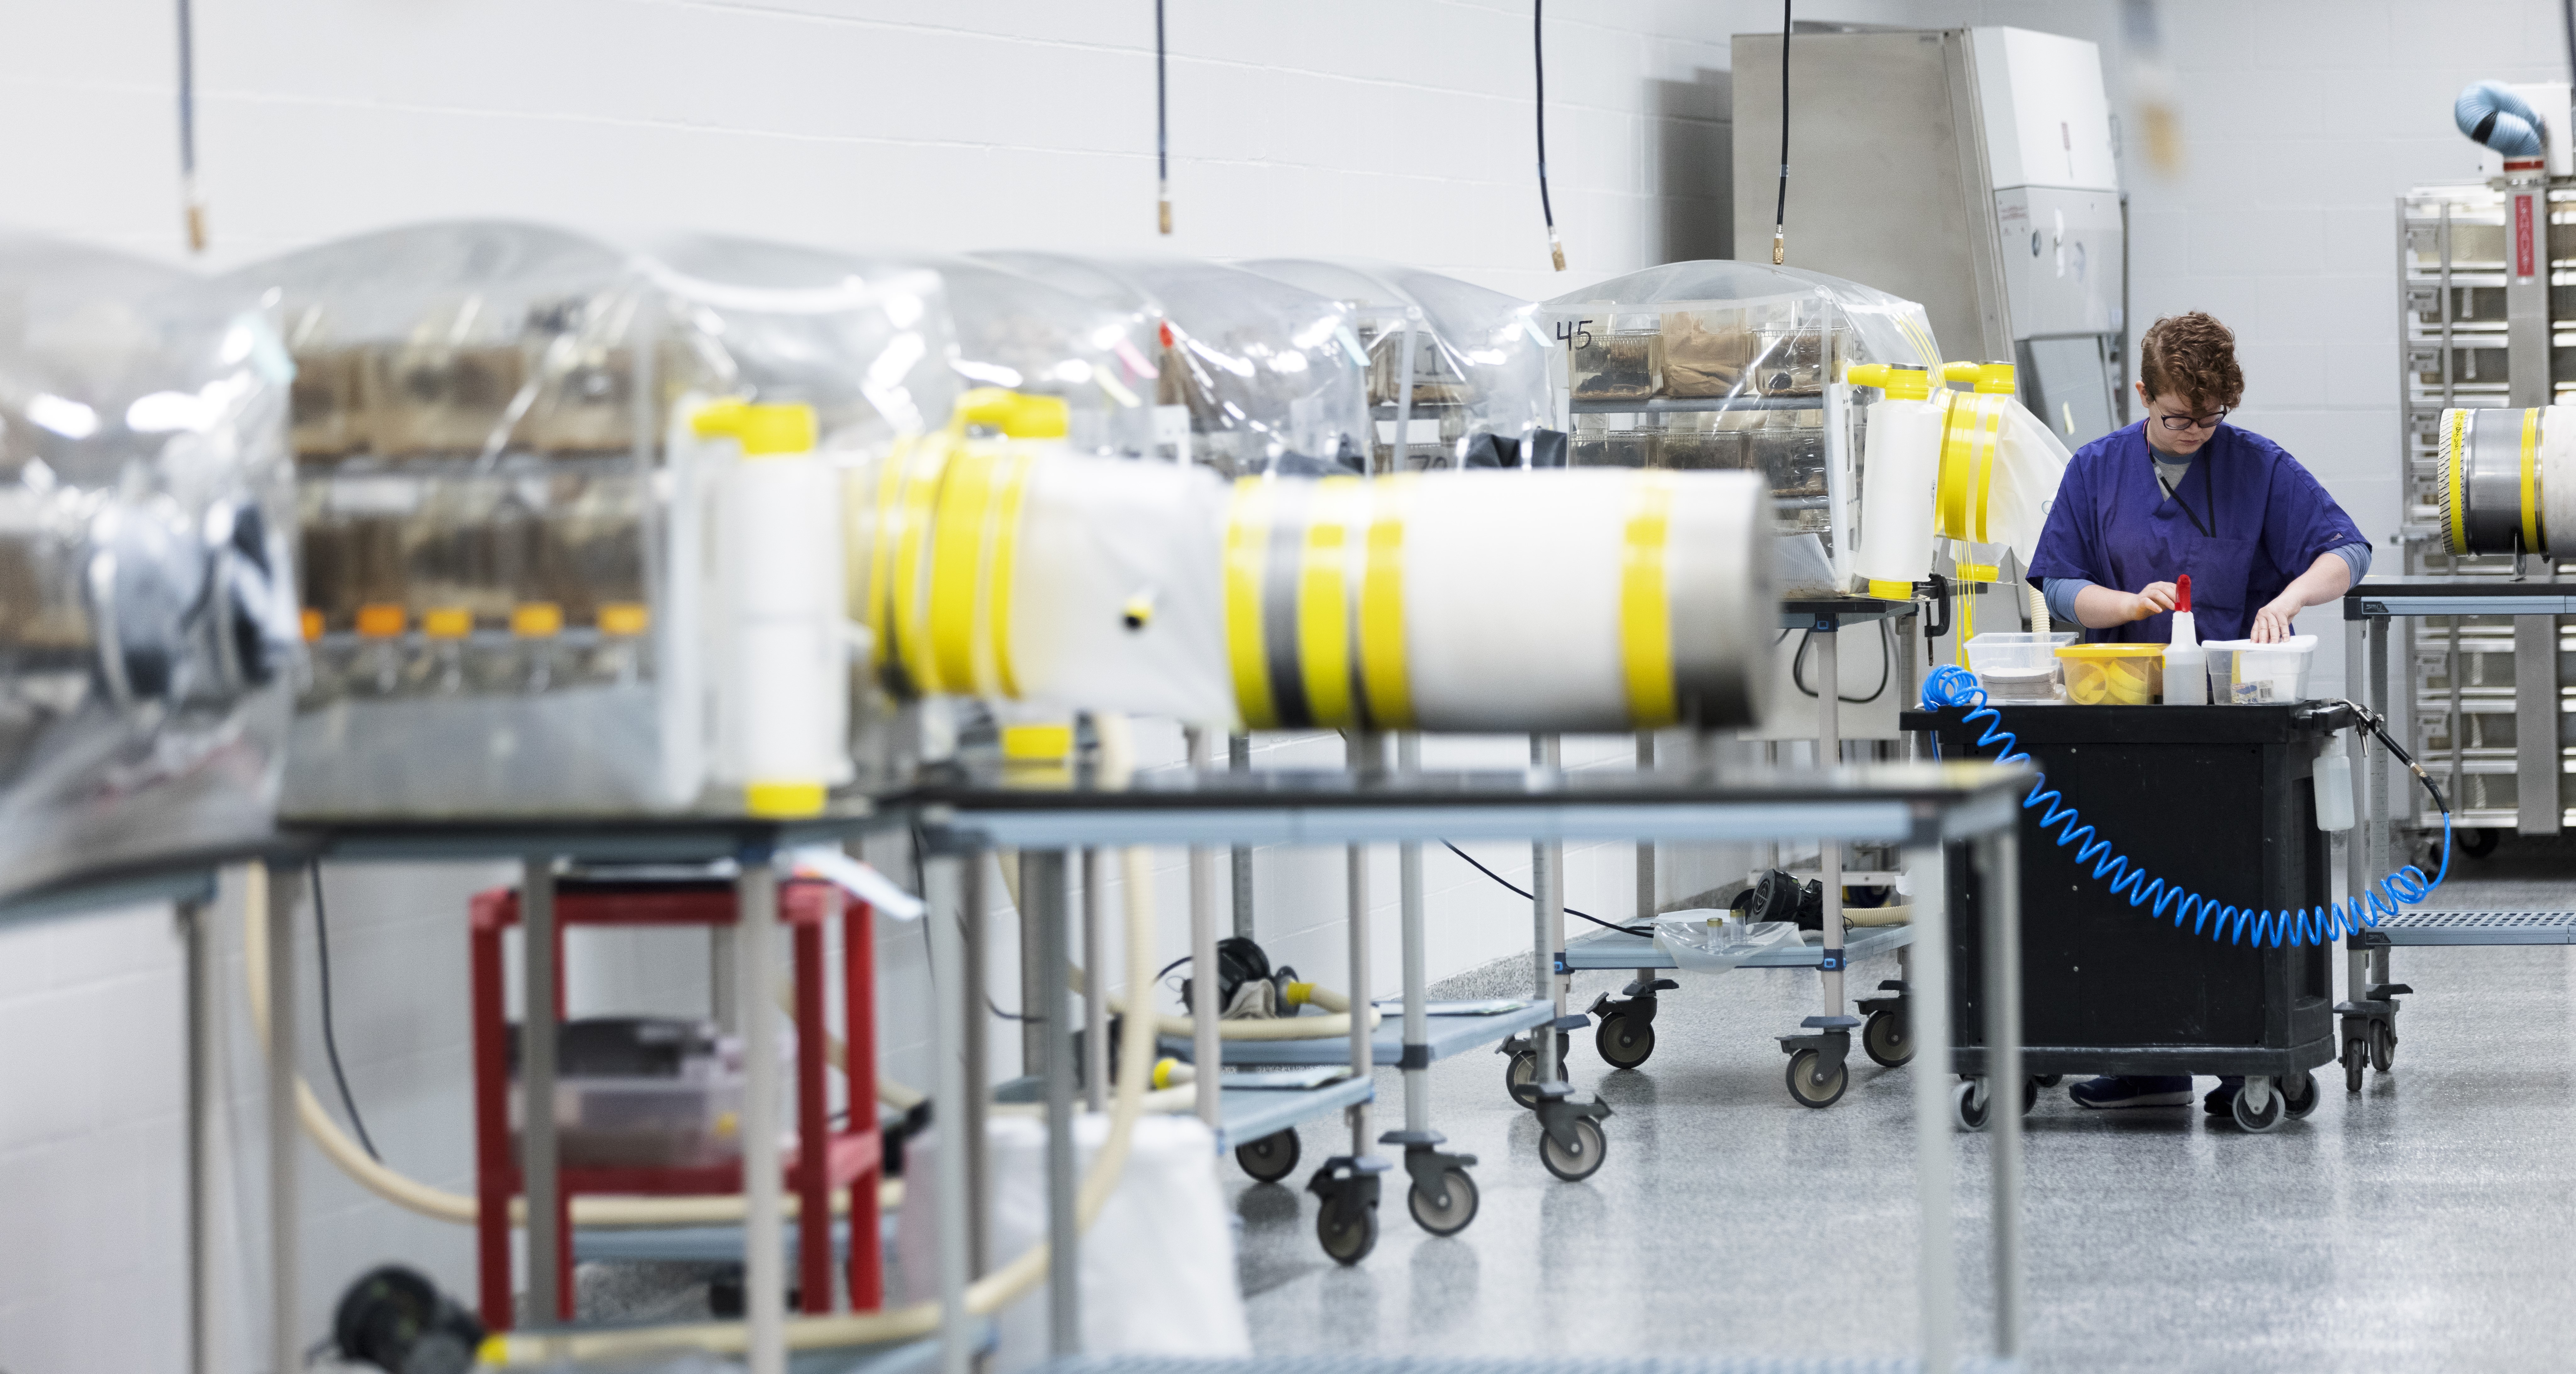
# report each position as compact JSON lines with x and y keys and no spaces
{"x":2109,"y":1094}
{"x":2221,"y":1100}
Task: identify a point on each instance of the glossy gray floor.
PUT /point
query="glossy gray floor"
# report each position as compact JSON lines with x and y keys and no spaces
{"x":2428,"y":1221}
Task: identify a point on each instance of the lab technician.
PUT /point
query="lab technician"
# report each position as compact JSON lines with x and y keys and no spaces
{"x":2183,"y":492}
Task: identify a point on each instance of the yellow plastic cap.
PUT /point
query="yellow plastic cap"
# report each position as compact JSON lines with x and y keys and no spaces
{"x":1891,"y":591}
{"x":765,"y":431}
{"x":1016,"y":414}
{"x":1987,"y":379}
{"x":1298,"y":994}
{"x":312,"y":624}
{"x":1899,"y":382}
{"x":1037,"y":743}
{"x":625,"y":618}
{"x":1163,"y":1071}
{"x":536,"y":620}
{"x":783,"y":798}
{"x":447,"y":622}
{"x":381,"y":620}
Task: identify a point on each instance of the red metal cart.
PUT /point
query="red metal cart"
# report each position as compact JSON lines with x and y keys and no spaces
{"x":851,"y":1157}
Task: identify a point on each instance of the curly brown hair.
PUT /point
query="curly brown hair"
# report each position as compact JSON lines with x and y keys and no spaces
{"x":2194,"y":357}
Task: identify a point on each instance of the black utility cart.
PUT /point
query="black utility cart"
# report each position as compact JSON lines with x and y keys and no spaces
{"x":2215,"y":799}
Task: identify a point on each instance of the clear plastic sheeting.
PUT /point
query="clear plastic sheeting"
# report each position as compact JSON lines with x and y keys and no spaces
{"x":1731,"y":365}
{"x":147,"y":626}
{"x":1253,"y":375}
{"x":1714,"y":942}
{"x":523,"y":460}
{"x":1479,"y":363}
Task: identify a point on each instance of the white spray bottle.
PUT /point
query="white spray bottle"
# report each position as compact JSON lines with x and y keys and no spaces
{"x":2186,"y":663}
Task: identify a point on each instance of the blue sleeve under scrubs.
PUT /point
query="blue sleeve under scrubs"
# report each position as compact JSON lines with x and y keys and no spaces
{"x":2244,"y":521}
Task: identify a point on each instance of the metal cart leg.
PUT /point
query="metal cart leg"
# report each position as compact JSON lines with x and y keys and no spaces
{"x":1936,"y":1271}
{"x":203,"y":1093}
{"x":1817,"y":1074}
{"x":1347,"y":1185}
{"x":944,"y":890}
{"x":1571,"y":1143}
{"x":2000,"y":853}
{"x":1045,"y":885}
{"x":1095,"y":986}
{"x":1443,"y":1196}
{"x":1206,"y":1052}
{"x":764,"y":1266}
{"x":285,"y":1204}
{"x":1238,"y":758}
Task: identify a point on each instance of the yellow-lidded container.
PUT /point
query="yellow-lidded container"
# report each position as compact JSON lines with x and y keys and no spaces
{"x":2114,"y":674}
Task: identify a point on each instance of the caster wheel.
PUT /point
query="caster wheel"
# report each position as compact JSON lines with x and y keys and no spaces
{"x":1444,"y":1216}
{"x":2049,"y":1080}
{"x":1887,"y":1039}
{"x":1348,"y":1243}
{"x":2275,"y":1110}
{"x":2029,"y":1095}
{"x":1582,"y":1160}
{"x":2383,"y":1045}
{"x":2299,"y":1094}
{"x":1520,"y":1077}
{"x":1968,"y":1107}
{"x":1624,"y":1041}
{"x":2477,"y":844}
{"x":1271,"y":1158}
{"x":2356,"y":1057}
{"x":1811,"y":1085}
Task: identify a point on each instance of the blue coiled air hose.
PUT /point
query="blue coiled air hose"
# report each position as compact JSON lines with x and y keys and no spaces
{"x":1951,"y":685}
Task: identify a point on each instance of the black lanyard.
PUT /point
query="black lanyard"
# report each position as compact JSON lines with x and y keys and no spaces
{"x":2174,"y":493}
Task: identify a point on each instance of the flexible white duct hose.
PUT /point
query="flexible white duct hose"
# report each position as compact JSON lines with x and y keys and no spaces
{"x":985,"y":1295}
{"x":2038,"y":609}
{"x":437,"y":1203}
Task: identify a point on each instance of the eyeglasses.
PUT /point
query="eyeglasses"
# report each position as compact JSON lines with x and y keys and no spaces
{"x":2176,"y":424}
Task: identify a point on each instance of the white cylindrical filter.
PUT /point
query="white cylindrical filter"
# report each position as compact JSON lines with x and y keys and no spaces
{"x":1898,"y":481}
{"x":780,"y":703}
{"x":1114,"y":603}
{"x":2507,"y":479}
{"x":1585,"y":599}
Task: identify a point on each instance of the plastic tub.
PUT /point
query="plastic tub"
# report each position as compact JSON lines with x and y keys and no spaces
{"x":2113,"y":674}
{"x":623,"y":1122}
{"x":2017,"y":665}
{"x":2244,"y":673}
{"x":1708,"y":941}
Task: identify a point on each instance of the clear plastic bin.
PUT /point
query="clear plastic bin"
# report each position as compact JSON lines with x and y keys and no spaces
{"x":1710,"y":941}
{"x":2244,"y":673}
{"x":2017,"y":665}
{"x":662,"y":1123}
{"x":2113,"y":674}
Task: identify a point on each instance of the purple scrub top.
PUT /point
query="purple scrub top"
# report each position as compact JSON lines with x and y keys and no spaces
{"x":2245,"y":521}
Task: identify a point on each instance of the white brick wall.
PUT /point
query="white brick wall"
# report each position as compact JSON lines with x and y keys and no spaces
{"x":1395,"y":128}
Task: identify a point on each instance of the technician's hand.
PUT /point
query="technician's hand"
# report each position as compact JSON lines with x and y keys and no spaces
{"x":2272,"y":623}
{"x":2155,"y":598}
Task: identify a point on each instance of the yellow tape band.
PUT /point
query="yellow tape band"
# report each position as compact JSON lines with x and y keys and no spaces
{"x":1037,"y":743}
{"x":911,"y":625}
{"x":1990,"y":423}
{"x":1004,"y":530}
{"x":957,"y":569}
{"x":876,"y":599}
{"x":1324,"y":603}
{"x":2531,"y":479}
{"x":1645,"y":612}
{"x":1247,"y":546}
{"x":1956,"y":467}
{"x":1383,"y":671}
{"x":1890,"y":591}
{"x":2457,"y":422}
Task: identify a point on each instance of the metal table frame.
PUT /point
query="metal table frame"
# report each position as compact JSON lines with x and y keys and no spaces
{"x":2371,"y":611}
{"x":1917,"y":807}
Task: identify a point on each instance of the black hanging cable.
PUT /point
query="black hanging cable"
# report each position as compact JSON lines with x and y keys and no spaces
{"x":1538,"y":65}
{"x":196,"y":210}
{"x":330,"y":1038}
{"x":1162,"y":131}
{"x":1798,"y":666}
{"x":1780,"y":209}
{"x":2567,"y":18}
{"x":1524,"y":892}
